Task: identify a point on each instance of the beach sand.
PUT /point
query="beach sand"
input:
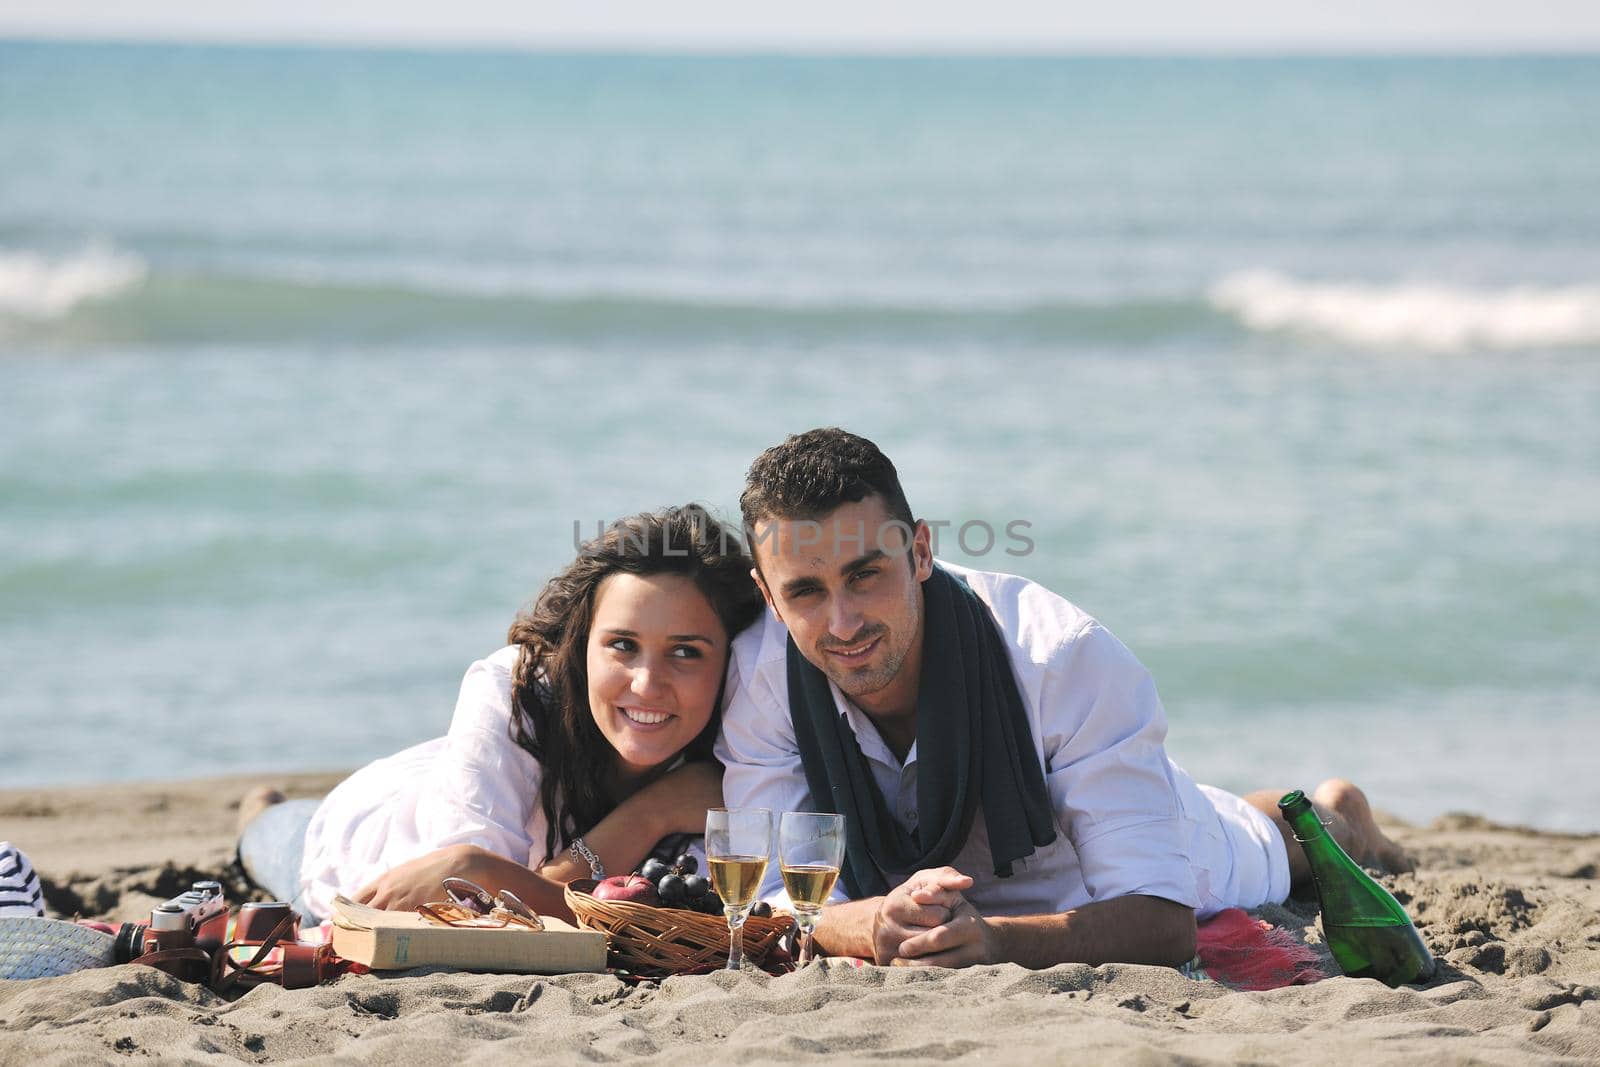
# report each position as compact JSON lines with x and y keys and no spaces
{"x":1513,"y":914}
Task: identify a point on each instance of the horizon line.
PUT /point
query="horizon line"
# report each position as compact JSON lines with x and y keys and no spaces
{"x":821,"y":49}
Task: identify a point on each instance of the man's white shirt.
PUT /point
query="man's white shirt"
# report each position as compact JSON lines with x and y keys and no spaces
{"x":1128,"y":820}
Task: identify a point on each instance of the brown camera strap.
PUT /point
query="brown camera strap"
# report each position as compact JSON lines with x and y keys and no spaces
{"x":305,"y":965}
{"x":302,"y":965}
{"x":161,"y":957}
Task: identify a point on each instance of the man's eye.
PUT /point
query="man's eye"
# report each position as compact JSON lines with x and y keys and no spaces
{"x":864,"y":574}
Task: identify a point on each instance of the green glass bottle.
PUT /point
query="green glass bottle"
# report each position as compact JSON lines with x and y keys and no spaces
{"x":1367,"y":930}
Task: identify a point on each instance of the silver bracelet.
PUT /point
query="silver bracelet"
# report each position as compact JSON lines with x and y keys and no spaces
{"x":597,"y":870}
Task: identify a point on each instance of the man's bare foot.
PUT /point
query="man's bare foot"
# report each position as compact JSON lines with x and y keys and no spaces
{"x":255,"y":802}
{"x":1352,"y":825}
{"x":1344,"y":809}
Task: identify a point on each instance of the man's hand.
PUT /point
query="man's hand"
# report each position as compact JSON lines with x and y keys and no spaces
{"x":925,"y":918}
{"x":964,"y":939}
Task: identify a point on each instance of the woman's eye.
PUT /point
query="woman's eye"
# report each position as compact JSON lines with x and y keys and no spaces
{"x":686,"y":652}
{"x":621,"y":644}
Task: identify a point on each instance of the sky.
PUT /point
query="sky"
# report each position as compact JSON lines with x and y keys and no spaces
{"x":846,"y":25}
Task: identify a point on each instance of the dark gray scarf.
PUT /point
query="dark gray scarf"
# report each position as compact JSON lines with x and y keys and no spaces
{"x":973,"y":748}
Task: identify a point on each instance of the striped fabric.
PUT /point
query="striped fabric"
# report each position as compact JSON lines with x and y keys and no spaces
{"x":20,"y":891}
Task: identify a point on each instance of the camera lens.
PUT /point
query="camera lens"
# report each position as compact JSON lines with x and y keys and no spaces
{"x":129,"y":944}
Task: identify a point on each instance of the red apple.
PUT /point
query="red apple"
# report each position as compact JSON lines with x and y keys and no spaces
{"x":627,"y":887}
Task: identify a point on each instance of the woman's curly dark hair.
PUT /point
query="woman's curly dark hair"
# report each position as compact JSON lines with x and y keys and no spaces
{"x":551,"y":717}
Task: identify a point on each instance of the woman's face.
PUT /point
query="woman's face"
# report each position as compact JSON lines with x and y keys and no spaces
{"x":656,"y":655}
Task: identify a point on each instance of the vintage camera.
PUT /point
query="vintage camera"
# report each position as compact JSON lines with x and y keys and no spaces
{"x":189,"y":937}
{"x":194,"y":919}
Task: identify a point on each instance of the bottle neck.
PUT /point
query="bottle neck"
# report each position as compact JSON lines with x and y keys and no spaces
{"x":1347,"y":893}
{"x":1304,"y":821}
{"x":1320,"y":847}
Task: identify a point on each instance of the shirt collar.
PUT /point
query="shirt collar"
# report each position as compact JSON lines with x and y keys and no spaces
{"x":871,"y":741}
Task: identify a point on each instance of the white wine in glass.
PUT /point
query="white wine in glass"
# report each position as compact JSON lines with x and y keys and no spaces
{"x":738,"y":843}
{"x":810,"y":852}
{"x":738,"y":878}
{"x":809,"y":883}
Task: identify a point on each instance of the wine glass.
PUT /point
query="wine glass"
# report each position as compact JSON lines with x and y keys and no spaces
{"x":738,"y":844}
{"x":810,"y":851}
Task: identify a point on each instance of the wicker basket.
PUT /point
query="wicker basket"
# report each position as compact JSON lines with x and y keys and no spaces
{"x":653,"y":942}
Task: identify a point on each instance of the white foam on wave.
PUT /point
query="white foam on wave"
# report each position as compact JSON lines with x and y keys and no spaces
{"x":37,"y":286}
{"x":1422,"y":315}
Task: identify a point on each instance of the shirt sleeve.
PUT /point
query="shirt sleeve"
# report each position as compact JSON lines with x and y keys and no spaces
{"x":483,"y":785}
{"x":761,"y":764}
{"x":1107,"y":772}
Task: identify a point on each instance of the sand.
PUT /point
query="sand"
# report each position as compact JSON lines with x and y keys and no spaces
{"x":1513,"y":914}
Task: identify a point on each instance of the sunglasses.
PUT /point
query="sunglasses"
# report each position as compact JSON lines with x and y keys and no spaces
{"x":472,"y":905}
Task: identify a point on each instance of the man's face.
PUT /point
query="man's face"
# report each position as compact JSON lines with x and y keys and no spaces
{"x":849,"y":587}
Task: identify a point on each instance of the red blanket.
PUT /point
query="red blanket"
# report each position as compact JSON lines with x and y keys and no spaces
{"x":1245,"y":953}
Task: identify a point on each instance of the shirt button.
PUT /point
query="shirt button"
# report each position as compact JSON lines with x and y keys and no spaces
{"x":912,"y":814}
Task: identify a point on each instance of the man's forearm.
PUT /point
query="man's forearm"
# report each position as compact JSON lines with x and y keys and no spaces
{"x":846,"y":929}
{"x":1132,"y":929}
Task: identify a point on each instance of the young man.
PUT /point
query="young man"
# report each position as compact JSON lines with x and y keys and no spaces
{"x":997,"y":754}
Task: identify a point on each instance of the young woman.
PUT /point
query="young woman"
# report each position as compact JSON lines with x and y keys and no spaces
{"x":575,"y":748}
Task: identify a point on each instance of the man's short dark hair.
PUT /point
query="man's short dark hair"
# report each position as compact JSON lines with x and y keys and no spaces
{"x":811,"y":474}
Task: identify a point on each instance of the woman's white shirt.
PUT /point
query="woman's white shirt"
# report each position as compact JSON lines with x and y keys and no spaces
{"x":473,"y":786}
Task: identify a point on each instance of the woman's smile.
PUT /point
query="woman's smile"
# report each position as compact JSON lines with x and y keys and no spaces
{"x":645,"y":718}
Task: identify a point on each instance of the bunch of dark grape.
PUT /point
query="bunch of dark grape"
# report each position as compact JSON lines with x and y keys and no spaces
{"x":680,"y":885}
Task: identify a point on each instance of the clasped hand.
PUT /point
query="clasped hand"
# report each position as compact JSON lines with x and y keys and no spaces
{"x":927,"y":922}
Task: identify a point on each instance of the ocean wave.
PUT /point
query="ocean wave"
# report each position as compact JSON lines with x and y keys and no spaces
{"x":104,"y":295}
{"x":40,"y":287}
{"x":1422,"y":315}
{"x":210,"y":308}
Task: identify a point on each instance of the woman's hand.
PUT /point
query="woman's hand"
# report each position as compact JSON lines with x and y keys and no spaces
{"x":421,"y":881}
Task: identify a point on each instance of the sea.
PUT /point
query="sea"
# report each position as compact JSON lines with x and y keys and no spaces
{"x":315,"y":362}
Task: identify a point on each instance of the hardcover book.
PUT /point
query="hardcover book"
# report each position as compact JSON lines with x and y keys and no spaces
{"x":395,"y":940}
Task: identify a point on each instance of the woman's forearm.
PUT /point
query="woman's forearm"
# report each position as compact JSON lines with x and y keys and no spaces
{"x":621,"y":841}
{"x":540,"y":892}
{"x":674,"y":804}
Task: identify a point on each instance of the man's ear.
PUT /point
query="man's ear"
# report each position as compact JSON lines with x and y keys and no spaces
{"x":766,"y":594}
{"x":922,"y":551}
